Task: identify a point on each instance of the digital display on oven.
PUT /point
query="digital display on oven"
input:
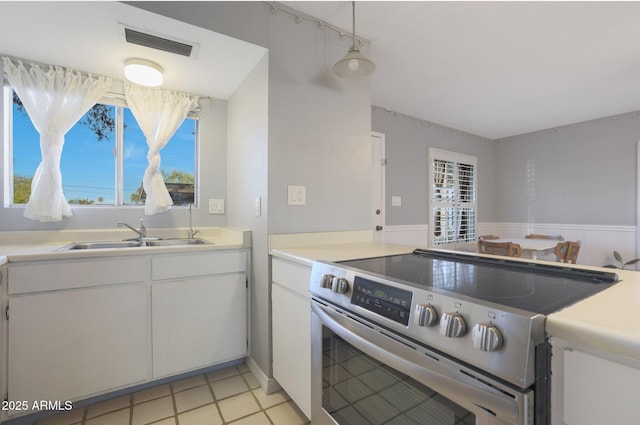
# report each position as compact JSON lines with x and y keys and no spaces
{"x":392,"y":303}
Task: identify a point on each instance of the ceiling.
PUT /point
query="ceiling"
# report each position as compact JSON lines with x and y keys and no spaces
{"x":494,"y":69}
{"x":497,"y":69}
{"x":89,"y":36}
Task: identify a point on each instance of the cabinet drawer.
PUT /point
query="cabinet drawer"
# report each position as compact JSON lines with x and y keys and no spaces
{"x":190,"y":265}
{"x":292,"y":276}
{"x":55,"y":275}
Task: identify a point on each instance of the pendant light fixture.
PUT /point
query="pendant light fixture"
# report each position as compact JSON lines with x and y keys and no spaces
{"x":354,"y":63}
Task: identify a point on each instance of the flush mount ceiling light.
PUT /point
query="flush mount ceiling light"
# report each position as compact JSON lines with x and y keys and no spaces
{"x":354,"y":63}
{"x":143,"y":72}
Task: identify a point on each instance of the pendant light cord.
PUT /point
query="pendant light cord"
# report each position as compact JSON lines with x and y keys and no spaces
{"x":353,"y":18}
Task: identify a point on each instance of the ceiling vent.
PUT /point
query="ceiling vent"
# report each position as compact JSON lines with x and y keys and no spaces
{"x":159,"y":43}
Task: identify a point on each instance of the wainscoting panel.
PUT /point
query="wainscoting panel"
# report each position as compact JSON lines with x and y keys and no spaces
{"x":412,"y":235}
{"x":598,"y":242}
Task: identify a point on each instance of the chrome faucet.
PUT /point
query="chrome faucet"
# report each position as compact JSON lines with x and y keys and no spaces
{"x":142,"y":231}
{"x":191,"y":233}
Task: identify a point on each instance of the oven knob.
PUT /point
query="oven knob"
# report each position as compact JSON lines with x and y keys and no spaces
{"x":327,"y":281}
{"x":452,"y":325}
{"x":340,"y":285}
{"x":426,"y":315}
{"x":487,"y":337}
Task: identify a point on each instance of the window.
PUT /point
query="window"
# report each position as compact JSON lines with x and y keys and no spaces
{"x":103,"y":159}
{"x":453,"y":198}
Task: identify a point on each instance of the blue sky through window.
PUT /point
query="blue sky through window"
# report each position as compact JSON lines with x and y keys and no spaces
{"x":88,"y":165}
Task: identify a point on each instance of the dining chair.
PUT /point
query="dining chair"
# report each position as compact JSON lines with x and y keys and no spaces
{"x":536,"y":236}
{"x":508,"y":249}
{"x":567,"y":252}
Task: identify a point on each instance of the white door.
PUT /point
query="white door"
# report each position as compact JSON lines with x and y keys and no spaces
{"x":377,"y":185}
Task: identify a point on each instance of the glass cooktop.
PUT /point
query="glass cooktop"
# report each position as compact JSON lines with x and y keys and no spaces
{"x":534,"y":287}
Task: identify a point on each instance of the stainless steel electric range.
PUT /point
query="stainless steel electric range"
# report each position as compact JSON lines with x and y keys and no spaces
{"x":437,"y":338}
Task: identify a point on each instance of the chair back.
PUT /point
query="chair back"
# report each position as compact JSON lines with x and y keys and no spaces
{"x":567,"y":252}
{"x":508,"y":249}
{"x":486,"y":238}
{"x":536,"y":236}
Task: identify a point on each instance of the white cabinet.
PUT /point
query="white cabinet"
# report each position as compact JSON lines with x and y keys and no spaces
{"x":591,"y":387}
{"x":76,"y":328}
{"x":70,"y":344}
{"x":84,"y":327}
{"x":291,"y":328}
{"x":199,"y":321}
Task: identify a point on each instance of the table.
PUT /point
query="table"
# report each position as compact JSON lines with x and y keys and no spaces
{"x":532,"y":248}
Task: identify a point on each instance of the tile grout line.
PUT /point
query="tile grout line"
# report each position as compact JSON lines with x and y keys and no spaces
{"x":174,"y":403}
{"x":209,"y":382}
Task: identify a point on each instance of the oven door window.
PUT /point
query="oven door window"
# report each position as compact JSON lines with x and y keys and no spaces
{"x":359,"y":390}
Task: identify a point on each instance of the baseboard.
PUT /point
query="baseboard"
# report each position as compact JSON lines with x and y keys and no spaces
{"x":269,"y":385}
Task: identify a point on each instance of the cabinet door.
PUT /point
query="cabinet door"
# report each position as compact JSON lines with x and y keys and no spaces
{"x":291,"y":321}
{"x":598,"y":391}
{"x":72,"y":344}
{"x":198,"y":322}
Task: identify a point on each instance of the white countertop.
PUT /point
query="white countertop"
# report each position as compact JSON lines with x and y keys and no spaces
{"x":609,"y":320}
{"x":36,"y":245}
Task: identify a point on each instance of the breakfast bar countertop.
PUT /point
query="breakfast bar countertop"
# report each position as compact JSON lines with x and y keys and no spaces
{"x":608,"y":321}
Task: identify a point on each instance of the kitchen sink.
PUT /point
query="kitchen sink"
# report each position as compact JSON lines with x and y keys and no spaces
{"x":177,"y":241}
{"x":133,"y":243}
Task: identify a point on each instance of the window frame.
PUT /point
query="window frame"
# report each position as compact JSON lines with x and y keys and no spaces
{"x":110,"y":99}
{"x":455,"y":204}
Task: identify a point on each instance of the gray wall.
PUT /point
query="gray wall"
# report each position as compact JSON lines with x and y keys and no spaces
{"x":554,"y":176}
{"x":577,"y":174}
{"x":319,"y":124}
{"x":247,"y":167}
{"x":318,"y":136}
{"x":407,"y":143}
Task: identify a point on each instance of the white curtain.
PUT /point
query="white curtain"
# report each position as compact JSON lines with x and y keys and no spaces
{"x":159,"y":113}
{"x":55,"y":99}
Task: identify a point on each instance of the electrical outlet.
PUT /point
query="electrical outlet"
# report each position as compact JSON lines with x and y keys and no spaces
{"x":296,"y":195}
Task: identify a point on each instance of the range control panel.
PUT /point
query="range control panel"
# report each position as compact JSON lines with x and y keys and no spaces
{"x":392,"y":303}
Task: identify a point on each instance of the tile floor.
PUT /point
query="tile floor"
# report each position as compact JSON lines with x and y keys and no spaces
{"x":226,"y":396}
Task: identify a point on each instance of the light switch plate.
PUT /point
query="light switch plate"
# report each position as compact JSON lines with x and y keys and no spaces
{"x":396,"y":201}
{"x":216,"y":206}
{"x":296,"y":195}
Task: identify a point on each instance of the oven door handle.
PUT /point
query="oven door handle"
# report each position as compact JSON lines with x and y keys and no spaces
{"x":450,"y":383}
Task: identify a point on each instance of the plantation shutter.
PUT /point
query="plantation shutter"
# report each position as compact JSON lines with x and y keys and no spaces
{"x":453,"y":198}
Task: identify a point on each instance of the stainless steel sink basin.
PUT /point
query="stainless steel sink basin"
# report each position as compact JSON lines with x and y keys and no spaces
{"x":133,"y":244}
{"x":101,"y":245}
{"x":178,"y":241}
